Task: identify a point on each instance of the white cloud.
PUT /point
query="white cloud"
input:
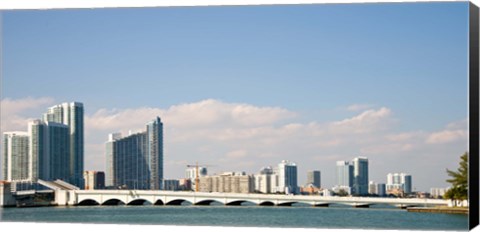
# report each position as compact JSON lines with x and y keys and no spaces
{"x":14,"y":106}
{"x":458,"y":125}
{"x":359,"y":107}
{"x":206,"y":113}
{"x":211,"y":112}
{"x":453,"y":132}
{"x":366,"y":122}
{"x":17,"y":112}
{"x":446,"y":136}
{"x":121,"y":120}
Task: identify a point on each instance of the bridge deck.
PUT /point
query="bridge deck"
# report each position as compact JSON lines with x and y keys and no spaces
{"x":165,"y":197}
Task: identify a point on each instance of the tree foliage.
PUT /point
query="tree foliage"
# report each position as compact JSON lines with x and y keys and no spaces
{"x":342,"y":193}
{"x":459,"y":181}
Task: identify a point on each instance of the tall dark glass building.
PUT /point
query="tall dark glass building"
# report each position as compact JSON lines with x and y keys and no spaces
{"x":49,"y":151}
{"x":360,"y":176}
{"x":71,"y":114}
{"x":136,"y":161}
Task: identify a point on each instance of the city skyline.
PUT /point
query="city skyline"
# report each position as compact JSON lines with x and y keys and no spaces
{"x":50,"y":149}
{"x":289,"y":90}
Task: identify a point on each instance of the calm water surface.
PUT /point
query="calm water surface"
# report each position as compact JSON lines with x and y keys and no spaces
{"x":306,"y":217}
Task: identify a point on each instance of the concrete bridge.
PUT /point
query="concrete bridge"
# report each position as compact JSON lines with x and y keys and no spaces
{"x":141,"y":197}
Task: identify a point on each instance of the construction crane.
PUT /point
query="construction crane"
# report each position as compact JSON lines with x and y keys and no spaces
{"x":197,"y":184}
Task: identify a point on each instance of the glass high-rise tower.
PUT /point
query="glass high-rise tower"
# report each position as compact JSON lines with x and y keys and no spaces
{"x":15,"y":156}
{"x":313,"y":177}
{"x":360,"y":175}
{"x":155,"y":152}
{"x":49,"y":148}
{"x":344,"y":177}
{"x":136,"y":161}
{"x":71,"y":114}
{"x":287,"y":177}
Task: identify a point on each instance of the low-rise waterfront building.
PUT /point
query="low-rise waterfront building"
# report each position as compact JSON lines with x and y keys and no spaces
{"x":6,"y":195}
{"x":372,"y":188}
{"x":326,"y":193}
{"x":227,"y":183}
{"x":438,"y":192}
{"x":342,"y":190}
{"x":264,"y":180}
{"x":192,"y":172}
{"x":185,"y":184}
{"x":94,"y":180}
{"x":310,"y":189}
{"x":171,"y":185}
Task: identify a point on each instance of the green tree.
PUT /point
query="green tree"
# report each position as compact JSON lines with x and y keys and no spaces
{"x":459,"y":181}
{"x":342,"y":193}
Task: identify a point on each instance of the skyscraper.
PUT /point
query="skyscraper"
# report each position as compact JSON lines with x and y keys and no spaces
{"x":344,"y":177}
{"x":360,"y":176}
{"x":399,"y":182}
{"x":15,"y":156}
{"x":71,"y":114}
{"x":136,"y":161}
{"x":381,"y":190}
{"x":155,"y":152}
{"x":407,"y":182}
{"x":49,"y":148}
{"x":313,"y":177}
{"x":287,"y":177}
{"x":38,"y":149}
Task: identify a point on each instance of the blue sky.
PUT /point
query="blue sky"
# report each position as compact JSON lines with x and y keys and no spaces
{"x":312,"y":60}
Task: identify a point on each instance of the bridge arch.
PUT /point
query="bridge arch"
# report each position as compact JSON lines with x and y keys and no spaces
{"x":320,"y":204}
{"x":88,"y":202}
{"x":239,"y":202}
{"x":113,"y":201}
{"x":139,"y":202}
{"x":177,"y":202}
{"x":207,"y":202}
{"x":266,"y":203}
{"x":288,"y":203}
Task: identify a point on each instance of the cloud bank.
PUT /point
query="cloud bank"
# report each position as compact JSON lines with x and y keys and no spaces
{"x":245,"y":137}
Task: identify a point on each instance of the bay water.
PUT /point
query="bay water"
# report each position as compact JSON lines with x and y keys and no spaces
{"x":245,"y":216}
